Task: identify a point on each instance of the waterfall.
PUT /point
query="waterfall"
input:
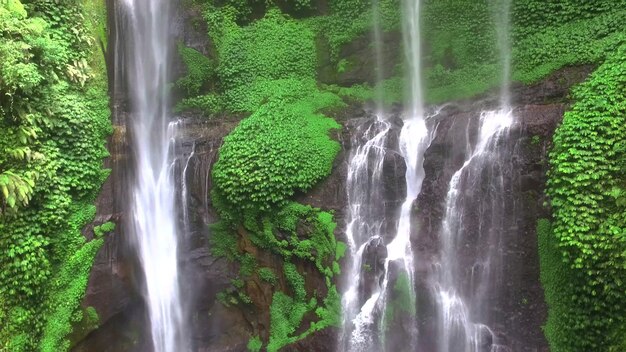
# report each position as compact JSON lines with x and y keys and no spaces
{"x":364,"y":231}
{"x":366,"y":214}
{"x":503,"y":32}
{"x":415,"y":138}
{"x":145,"y":28}
{"x":460,"y":329}
{"x":377,"y":36}
{"x":366,"y":298}
{"x":185,"y":189}
{"x":466,"y":274}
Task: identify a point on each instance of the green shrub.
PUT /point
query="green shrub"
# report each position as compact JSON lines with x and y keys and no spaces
{"x":199,"y":70}
{"x":255,"y":344}
{"x":282,"y":148}
{"x":267,"y":275}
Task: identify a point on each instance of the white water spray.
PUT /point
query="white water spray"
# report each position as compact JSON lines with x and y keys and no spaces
{"x":154,"y":232}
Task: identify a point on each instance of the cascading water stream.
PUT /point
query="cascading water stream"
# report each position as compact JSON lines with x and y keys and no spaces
{"x":462,"y":294}
{"x":154,"y":230}
{"x":365,"y":304}
{"x":366,"y":213}
{"x":185,"y":189}
{"x":415,"y":138}
{"x":458,"y":331}
{"x":377,"y":35}
{"x":366,"y":217}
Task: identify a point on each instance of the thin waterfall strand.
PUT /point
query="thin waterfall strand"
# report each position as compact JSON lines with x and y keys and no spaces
{"x":415,"y":138}
{"x":365,"y":222}
{"x":365,"y":214}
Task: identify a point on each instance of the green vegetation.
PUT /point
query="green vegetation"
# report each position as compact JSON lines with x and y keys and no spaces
{"x":586,"y":186}
{"x":402,"y":301}
{"x":349,"y":19}
{"x":199,"y":71}
{"x":461,"y":40}
{"x":582,"y":41}
{"x":461,"y":59}
{"x":257,"y":57}
{"x":267,"y":275}
{"x":54,"y":119}
{"x":297,"y":233}
{"x":282,"y":148}
{"x":267,"y":69}
{"x":255,"y":344}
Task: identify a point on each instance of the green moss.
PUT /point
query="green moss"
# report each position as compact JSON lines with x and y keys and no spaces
{"x":208,"y":104}
{"x":535,"y":140}
{"x":402,"y":301}
{"x":100,"y":230}
{"x":341,"y":250}
{"x":248,"y":265}
{"x":223,"y":243}
{"x":255,"y":344}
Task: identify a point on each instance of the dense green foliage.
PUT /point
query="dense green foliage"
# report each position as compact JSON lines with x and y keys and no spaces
{"x":199,"y":71}
{"x":287,"y":312}
{"x":255,"y":344}
{"x":267,"y":68}
{"x":297,"y":234}
{"x":582,"y":41}
{"x":54,"y":120}
{"x":586,"y":186}
{"x":282,"y":148}
{"x":462,"y":58}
